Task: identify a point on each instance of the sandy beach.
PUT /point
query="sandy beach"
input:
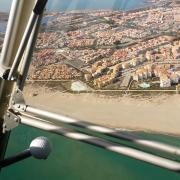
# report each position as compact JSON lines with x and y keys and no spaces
{"x":157,"y":113}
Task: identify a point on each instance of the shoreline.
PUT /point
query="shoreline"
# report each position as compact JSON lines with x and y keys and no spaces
{"x":152,"y":114}
{"x":90,"y":89}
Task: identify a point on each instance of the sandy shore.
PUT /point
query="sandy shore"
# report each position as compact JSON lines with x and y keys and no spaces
{"x":153,"y":113}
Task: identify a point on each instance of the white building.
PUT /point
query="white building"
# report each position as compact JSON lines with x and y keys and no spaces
{"x":149,"y":73}
{"x":165,"y":81}
{"x":135,"y":77}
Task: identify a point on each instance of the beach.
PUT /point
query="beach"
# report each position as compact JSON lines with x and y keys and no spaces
{"x":156,"y":113}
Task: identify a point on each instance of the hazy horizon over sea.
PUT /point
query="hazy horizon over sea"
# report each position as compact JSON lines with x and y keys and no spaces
{"x":60,"y":5}
{"x":69,"y":5}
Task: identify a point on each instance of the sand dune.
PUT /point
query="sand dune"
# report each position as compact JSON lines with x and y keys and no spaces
{"x":157,"y":113}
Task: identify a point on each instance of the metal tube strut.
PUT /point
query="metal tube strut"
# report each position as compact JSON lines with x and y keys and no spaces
{"x":99,"y":142}
{"x":104,"y":130}
{"x":23,"y":45}
{"x":35,"y":15}
{"x":28,"y":54}
{"x":18,"y":157}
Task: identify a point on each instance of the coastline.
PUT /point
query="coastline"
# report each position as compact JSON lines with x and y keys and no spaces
{"x":152,"y":114}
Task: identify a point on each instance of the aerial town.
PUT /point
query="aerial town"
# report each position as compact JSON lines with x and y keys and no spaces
{"x":111,"y":49}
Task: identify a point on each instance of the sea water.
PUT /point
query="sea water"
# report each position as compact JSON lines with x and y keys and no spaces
{"x":72,"y":160}
{"x":3,"y":27}
{"x":60,"y":5}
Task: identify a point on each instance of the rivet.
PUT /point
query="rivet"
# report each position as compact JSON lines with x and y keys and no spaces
{"x":16,"y":119}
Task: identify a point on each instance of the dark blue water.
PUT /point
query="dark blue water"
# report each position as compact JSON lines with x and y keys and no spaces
{"x":63,"y":5}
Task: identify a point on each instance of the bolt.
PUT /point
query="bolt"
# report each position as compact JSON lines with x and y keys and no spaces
{"x":16,"y":111}
{"x":16,"y":119}
{"x":4,"y":126}
{"x":8,"y":115}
